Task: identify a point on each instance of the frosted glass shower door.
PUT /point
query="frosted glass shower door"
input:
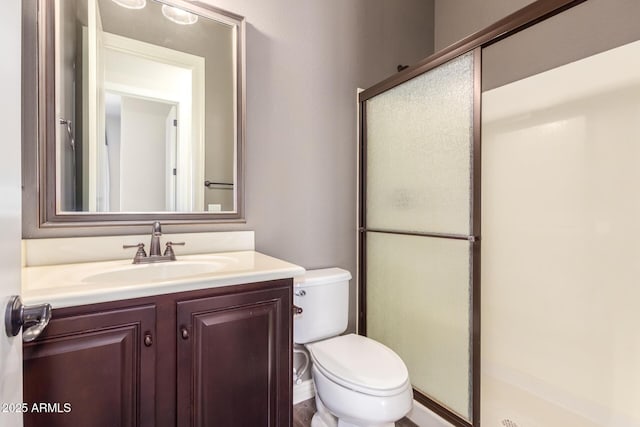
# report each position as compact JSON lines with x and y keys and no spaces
{"x":418,"y":238}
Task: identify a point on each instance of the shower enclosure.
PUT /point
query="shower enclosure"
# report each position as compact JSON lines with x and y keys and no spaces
{"x":558,"y":288}
{"x":560,"y":209}
{"x":420,"y":227}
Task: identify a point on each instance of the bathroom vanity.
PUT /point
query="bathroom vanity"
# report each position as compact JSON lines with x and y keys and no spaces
{"x":204,"y":340}
{"x":214,"y":348}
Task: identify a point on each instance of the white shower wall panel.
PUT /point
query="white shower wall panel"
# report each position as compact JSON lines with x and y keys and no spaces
{"x":560,"y":258}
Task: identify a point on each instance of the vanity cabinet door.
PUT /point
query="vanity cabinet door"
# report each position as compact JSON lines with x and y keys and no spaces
{"x":94,"y":369}
{"x":234,"y":359}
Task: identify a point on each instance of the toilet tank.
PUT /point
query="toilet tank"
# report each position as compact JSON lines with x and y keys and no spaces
{"x":323,"y":296}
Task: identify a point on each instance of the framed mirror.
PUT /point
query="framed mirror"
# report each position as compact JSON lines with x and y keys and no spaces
{"x":139,"y":113}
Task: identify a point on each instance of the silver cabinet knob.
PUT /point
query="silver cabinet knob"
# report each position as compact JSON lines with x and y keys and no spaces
{"x":184,"y":332}
{"x":32,"y":319}
{"x":300,"y":293}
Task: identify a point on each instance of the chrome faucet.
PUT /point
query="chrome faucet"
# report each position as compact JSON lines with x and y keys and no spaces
{"x":156,"y":232}
{"x":154,"y":248}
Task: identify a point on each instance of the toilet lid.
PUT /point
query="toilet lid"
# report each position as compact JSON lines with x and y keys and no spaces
{"x":360,"y":363}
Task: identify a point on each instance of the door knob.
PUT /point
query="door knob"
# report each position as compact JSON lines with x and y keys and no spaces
{"x":31,"y":318}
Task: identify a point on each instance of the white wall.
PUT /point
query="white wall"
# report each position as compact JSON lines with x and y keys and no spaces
{"x":112,"y":136}
{"x":143,"y":163}
{"x":10,"y":215}
{"x":560,"y":258}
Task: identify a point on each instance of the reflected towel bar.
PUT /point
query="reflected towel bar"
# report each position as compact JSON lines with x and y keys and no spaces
{"x":212,"y":185}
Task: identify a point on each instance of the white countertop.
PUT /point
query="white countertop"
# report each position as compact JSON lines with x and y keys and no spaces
{"x":67,"y":285}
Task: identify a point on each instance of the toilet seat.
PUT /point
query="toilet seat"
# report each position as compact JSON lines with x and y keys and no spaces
{"x":360,"y":364}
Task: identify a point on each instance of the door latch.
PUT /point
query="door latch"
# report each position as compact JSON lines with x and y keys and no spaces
{"x":32,"y":319}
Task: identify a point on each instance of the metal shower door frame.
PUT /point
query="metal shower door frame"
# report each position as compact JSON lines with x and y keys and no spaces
{"x":530,"y":15}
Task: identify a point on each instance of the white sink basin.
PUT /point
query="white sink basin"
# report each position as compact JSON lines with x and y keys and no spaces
{"x":161,"y":272}
{"x":66,"y":285}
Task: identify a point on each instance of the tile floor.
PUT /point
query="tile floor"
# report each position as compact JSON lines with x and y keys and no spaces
{"x":303,"y":412}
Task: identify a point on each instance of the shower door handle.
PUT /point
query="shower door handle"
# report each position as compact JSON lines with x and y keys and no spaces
{"x":32,"y":319}
{"x":67,"y":124}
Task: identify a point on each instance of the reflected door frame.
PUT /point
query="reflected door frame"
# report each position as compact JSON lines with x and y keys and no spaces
{"x":188,"y":195}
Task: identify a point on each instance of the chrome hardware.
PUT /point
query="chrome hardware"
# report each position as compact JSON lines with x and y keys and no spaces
{"x":184,"y":332}
{"x":218,"y":185}
{"x":154,"y":249}
{"x":72,"y":145}
{"x":296,"y":310}
{"x":140,"y":253}
{"x":148,"y":340}
{"x":72,"y":140}
{"x":300,"y":293}
{"x":32,"y":319}
{"x":298,"y":374}
{"x":156,"y":232}
{"x":168,"y":251}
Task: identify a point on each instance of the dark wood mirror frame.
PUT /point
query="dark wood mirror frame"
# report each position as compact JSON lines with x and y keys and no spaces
{"x":40,"y":217}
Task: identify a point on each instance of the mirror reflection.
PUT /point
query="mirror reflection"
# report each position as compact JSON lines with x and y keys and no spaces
{"x":146,"y":108}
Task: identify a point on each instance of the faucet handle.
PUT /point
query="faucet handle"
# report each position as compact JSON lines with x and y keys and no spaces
{"x":169,"y":249}
{"x":140,"y":252}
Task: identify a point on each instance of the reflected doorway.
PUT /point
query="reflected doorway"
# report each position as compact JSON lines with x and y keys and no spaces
{"x":138,"y":163}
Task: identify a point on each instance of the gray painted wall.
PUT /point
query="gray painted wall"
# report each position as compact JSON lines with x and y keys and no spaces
{"x":304,"y":63}
{"x":549,"y":44}
{"x":456,"y":19}
{"x":529,"y":52}
{"x":66,"y":108}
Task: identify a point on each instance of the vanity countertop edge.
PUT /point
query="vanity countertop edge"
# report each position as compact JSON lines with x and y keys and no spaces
{"x":65,"y":285}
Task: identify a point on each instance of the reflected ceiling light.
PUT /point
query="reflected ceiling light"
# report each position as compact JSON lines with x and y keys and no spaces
{"x":131,"y":4}
{"x":179,"y":16}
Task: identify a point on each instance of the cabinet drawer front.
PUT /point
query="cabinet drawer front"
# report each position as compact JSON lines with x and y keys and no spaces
{"x":99,"y":365}
{"x":234,"y":359}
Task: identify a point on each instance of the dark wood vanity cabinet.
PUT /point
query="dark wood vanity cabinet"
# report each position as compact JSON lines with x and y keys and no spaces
{"x":234,"y":360}
{"x":92,"y":370}
{"x":213,"y":357}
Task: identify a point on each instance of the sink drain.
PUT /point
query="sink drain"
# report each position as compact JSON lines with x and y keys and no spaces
{"x":508,"y":423}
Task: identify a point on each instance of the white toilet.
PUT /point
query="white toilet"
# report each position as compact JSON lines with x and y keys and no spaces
{"x":359,"y":382}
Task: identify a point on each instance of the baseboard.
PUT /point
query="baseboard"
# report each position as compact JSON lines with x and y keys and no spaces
{"x":303,"y":391}
{"x":424,"y":417}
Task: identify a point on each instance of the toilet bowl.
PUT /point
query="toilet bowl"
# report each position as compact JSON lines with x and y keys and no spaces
{"x":359,"y":382}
